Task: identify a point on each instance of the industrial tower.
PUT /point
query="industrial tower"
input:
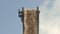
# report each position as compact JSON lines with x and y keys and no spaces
{"x":30,"y":20}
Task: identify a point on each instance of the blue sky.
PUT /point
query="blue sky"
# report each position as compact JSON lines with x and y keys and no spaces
{"x":28,"y":3}
{"x":9,"y":21}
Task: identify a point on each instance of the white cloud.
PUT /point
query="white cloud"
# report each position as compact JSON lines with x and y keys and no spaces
{"x":50,"y":18}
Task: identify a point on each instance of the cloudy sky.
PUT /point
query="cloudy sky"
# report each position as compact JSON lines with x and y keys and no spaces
{"x":50,"y":17}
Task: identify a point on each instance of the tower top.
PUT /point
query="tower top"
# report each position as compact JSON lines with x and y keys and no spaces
{"x":21,"y":13}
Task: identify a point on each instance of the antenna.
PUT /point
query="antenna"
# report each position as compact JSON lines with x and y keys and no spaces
{"x":21,"y":13}
{"x":38,"y":9}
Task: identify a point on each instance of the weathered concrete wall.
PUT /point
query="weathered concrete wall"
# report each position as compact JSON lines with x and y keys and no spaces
{"x":31,"y":22}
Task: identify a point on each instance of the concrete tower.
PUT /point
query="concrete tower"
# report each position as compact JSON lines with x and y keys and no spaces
{"x":30,"y":20}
